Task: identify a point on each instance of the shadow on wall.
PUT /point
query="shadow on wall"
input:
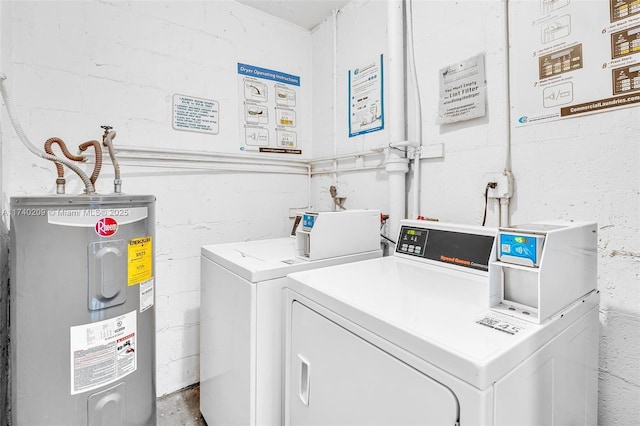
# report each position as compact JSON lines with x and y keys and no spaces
{"x":5,"y":408}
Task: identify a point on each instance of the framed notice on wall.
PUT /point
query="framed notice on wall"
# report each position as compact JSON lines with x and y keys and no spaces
{"x":366,"y":100}
{"x":571,"y":58}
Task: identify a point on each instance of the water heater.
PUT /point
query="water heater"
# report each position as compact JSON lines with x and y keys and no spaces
{"x":82,"y":321}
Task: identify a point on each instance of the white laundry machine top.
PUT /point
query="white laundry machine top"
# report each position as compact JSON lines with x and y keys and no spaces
{"x":439,"y":313}
{"x":270,"y":259}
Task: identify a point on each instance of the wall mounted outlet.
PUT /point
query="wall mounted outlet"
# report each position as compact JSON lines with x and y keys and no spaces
{"x":503,"y":185}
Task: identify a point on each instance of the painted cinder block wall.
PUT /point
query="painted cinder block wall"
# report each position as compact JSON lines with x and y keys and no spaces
{"x":73,"y":66}
{"x":584,"y":168}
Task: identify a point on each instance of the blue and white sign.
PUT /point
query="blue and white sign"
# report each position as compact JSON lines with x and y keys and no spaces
{"x":267,"y":74}
{"x":366,"y":99}
{"x":269,"y":116}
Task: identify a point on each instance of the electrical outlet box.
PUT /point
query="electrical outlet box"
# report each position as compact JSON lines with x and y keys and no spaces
{"x":503,"y":187}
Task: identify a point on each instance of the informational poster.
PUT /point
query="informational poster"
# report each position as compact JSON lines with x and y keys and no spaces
{"x":366,"y":108}
{"x":195,"y":114}
{"x":573,"y":57}
{"x":102,"y":352}
{"x":462,"y":91}
{"x":269,"y":116}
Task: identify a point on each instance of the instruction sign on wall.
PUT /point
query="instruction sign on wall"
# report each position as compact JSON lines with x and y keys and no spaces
{"x":462,"y":91}
{"x":366,"y":106}
{"x":269,"y":110}
{"x":195,"y":114}
{"x":571,"y":58}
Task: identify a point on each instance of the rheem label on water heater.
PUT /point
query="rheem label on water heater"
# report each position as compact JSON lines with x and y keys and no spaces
{"x":103,"y":352}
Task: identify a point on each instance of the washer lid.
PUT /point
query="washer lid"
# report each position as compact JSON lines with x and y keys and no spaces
{"x":433,"y":312}
{"x":270,"y":259}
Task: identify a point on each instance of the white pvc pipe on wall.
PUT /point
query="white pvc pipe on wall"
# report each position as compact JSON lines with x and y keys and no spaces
{"x":396,"y":165}
{"x":415,"y":209}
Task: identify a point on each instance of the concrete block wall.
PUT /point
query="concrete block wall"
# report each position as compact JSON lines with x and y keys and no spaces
{"x":584,"y":168}
{"x":73,"y":66}
{"x":122,"y":61}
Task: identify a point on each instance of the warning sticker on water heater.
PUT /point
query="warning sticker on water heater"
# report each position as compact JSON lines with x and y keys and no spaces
{"x":140,"y":260}
{"x":146,"y":295}
{"x":102,"y":352}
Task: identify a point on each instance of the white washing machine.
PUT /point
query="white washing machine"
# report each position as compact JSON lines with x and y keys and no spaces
{"x":241,"y":316}
{"x":430,"y":336}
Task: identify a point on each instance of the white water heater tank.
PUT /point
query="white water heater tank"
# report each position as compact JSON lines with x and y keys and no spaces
{"x":82,"y":321}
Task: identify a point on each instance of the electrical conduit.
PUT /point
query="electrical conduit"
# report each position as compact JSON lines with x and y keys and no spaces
{"x":89,"y":188}
{"x":504,"y":219}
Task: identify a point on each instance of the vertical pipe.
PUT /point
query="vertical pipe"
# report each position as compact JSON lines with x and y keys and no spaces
{"x":309,"y":186}
{"x":504,"y":212}
{"x":504,"y":218}
{"x":396,"y":164}
{"x":334,"y":21}
{"x":415,"y":210}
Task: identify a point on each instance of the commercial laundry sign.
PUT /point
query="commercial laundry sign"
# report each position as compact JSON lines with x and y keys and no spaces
{"x":269,"y":110}
{"x":463,"y":91}
{"x":573,"y":58}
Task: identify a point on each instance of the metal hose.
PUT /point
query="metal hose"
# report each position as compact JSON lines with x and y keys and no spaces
{"x":107,"y":140}
{"x":89,"y":188}
{"x":98,"y":151}
{"x":65,"y":151}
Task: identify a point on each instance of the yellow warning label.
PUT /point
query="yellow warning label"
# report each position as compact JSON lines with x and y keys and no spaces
{"x":140,"y":260}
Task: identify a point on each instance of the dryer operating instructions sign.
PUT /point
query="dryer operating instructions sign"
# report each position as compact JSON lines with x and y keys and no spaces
{"x":269,"y":110}
{"x":571,"y":58}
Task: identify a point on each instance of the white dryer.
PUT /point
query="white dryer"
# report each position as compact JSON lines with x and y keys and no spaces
{"x":241,"y":315}
{"x":413,"y":339}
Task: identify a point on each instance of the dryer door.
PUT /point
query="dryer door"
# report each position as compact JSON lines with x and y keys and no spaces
{"x":338,"y":378}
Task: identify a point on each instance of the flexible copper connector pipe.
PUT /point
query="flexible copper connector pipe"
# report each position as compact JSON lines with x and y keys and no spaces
{"x":65,"y":151}
{"x":98,"y":151}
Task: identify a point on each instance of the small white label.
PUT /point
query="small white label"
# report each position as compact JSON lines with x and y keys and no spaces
{"x":501,"y":324}
{"x":146,"y":294}
{"x":102,"y":352}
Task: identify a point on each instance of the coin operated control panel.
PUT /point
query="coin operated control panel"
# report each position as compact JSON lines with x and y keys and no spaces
{"x":461,"y":247}
{"x":542,"y":267}
{"x":322,"y":235}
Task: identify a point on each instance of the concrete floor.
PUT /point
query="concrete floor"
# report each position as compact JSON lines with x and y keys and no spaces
{"x":180,"y":408}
